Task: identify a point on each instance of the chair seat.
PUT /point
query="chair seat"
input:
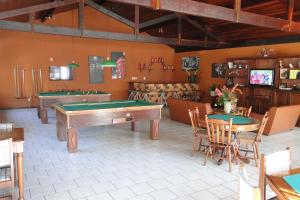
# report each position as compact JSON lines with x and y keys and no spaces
{"x":5,"y":174}
{"x":246,"y":137}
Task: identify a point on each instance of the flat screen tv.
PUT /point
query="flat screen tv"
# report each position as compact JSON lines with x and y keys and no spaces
{"x":261,"y":77}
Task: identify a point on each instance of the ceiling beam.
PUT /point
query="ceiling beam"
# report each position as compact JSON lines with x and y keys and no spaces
{"x":81,"y":16}
{"x":56,"y":30}
{"x":290,"y":13}
{"x":179,"y":29}
{"x":109,"y":13}
{"x":159,"y":20}
{"x":201,"y":9}
{"x":136,"y":19}
{"x":203,"y":28}
{"x":36,"y":8}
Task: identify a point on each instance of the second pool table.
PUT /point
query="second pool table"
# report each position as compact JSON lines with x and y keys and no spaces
{"x":48,"y":99}
{"x":71,"y":116}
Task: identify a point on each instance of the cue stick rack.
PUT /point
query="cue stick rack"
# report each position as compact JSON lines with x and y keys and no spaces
{"x":19,"y":80}
{"x":37,"y":80}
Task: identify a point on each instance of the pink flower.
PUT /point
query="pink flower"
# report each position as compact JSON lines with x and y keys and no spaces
{"x":218,"y":92}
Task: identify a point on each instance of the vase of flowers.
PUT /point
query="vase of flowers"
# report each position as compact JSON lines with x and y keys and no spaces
{"x":227,"y":97}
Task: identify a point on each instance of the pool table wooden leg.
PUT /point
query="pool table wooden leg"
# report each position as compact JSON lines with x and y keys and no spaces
{"x":61,"y":132}
{"x":38,"y":112}
{"x":135,"y":126}
{"x":72,"y":140}
{"x":154,"y":129}
{"x":44,"y":116}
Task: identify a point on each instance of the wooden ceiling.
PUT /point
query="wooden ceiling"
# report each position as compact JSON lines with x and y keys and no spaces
{"x":236,"y":34}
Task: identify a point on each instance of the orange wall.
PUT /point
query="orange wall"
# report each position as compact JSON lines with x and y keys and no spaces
{"x":32,"y":49}
{"x":219,"y":56}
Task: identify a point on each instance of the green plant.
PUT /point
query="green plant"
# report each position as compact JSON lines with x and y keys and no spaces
{"x":212,"y":87}
{"x":227,"y":94}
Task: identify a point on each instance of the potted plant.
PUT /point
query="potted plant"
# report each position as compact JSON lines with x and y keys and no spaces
{"x":227,"y":97}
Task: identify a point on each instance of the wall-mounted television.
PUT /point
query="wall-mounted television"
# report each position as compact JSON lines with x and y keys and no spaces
{"x":261,"y":77}
{"x":190,"y":63}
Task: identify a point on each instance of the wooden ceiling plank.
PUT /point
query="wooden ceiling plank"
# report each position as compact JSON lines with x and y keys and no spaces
{"x":56,"y":30}
{"x":109,"y":13}
{"x":217,"y":12}
{"x":202,"y":28}
{"x":81,"y":16}
{"x":156,"y":21}
{"x":35,"y":8}
{"x":290,"y":13}
{"x":136,"y":20}
{"x":179,"y":29}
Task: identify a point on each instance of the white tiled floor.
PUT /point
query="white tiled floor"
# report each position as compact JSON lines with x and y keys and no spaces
{"x":114,"y":163}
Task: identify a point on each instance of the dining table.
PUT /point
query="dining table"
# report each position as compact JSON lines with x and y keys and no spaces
{"x":281,"y":187}
{"x":17,"y":135}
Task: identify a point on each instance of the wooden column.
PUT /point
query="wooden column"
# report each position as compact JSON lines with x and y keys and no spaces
{"x":81,"y":16}
{"x":20,"y":175}
{"x":290,"y":13}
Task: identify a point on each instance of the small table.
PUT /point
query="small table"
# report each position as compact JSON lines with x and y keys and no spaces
{"x":71,"y":116}
{"x":17,"y":135}
{"x":239,"y":123}
{"x":47,"y":99}
{"x":282,"y":188}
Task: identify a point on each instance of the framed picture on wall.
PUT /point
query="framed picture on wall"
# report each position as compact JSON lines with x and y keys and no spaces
{"x":190,"y":63}
{"x":284,"y":73}
{"x":119,"y":71}
{"x":218,"y":70}
{"x":95,"y":71}
{"x":58,"y":73}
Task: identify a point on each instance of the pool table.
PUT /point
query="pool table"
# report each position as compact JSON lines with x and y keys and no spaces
{"x":71,"y":116}
{"x":46,"y":100}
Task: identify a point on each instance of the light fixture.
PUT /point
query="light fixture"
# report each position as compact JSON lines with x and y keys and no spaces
{"x":73,"y":64}
{"x":107,"y":63}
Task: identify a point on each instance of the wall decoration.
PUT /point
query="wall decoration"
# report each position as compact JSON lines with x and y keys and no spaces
{"x":294,"y":74}
{"x":159,"y":60}
{"x":119,"y":71}
{"x":218,"y":70}
{"x":95,"y":71}
{"x":57,"y":73}
{"x":284,"y":73}
{"x":190,"y":63}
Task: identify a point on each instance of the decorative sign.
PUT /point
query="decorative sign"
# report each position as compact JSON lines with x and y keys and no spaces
{"x":57,"y":73}
{"x":119,"y":71}
{"x":218,"y":70}
{"x":95,"y":71}
{"x":190,"y":63}
{"x":284,"y":73}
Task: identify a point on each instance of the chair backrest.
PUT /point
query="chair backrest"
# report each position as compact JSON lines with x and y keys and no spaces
{"x":244,"y":111}
{"x":262,"y":127}
{"x":5,"y":152}
{"x":6,"y":126}
{"x":218,"y":131}
{"x":196,"y":121}
{"x":247,"y":191}
{"x":276,"y":163}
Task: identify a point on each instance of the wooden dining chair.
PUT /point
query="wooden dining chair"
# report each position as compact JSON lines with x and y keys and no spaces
{"x":219,"y":136}
{"x":246,"y":190}
{"x":252,"y":140}
{"x":243,"y":111}
{"x":273,"y":164}
{"x":199,"y":131}
{"x":7,"y":167}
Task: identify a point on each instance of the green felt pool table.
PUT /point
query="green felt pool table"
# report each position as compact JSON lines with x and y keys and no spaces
{"x":46,"y":100}
{"x":71,"y":116}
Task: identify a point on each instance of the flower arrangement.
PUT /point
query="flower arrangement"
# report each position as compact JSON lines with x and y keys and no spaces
{"x":227,"y":94}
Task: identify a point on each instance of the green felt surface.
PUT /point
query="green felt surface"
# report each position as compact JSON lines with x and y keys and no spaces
{"x":293,"y":181}
{"x":235,"y":119}
{"x":103,"y":105}
{"x":61,"y":93}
